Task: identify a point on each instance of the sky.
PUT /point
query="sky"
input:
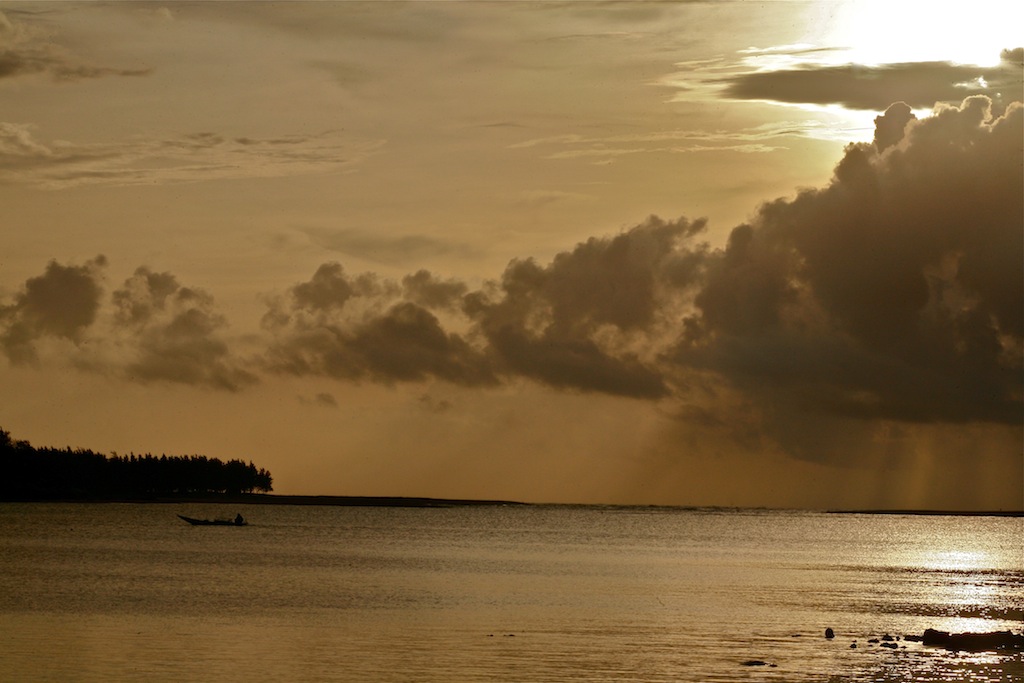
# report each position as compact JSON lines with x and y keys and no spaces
{"x":667,"y":253}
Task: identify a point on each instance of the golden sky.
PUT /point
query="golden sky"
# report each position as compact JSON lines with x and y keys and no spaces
{"x":724,"y":253}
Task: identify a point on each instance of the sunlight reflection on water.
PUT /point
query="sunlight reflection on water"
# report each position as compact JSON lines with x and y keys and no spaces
{"x":536,"y":594}
{"x":955,"y":560}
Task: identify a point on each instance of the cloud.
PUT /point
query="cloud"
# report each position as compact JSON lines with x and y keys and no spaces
{"x":857,"y":86}
{"x":890,"y":297}
{"x":320,"y":21}
{"x":539,"y":198}
{"x":387,"y":249}
{"x":157,"y":330}
{"x":321,"y":400}
{"x":62,"y":302}
{"x":194,"y":157}
{"x":329,"y":288}
{"x":175,"y":331}
{"x":894,"y":293}
{"x":433,"y":405}
{"x":361,"y":328}
{"x":17,"y":142}
{"x":404,"y":344}
{"x":26,"y":50}
{"x":426,"y":289}
{"x":605,"y":149}
{"x":143,"y":296}
{"x":891,"y":125}
{"x":573,"y":323}
{"x":569,"y":325}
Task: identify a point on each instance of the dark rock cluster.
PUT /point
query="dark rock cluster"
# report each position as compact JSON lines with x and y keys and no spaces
{"x":968,"y":642}
{"x":972,"y":642}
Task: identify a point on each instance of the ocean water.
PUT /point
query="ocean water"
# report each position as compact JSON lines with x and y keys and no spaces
{"x":122,"y":592}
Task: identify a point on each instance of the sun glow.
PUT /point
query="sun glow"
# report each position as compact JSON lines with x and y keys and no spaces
{"x":875,"y":32}
{"x":956,"y":560}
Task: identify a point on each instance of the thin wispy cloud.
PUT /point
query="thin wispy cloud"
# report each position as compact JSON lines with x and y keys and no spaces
{"x":752,"y":140}
{"x":387,"y":248}
{"x":26,"y":51}
{"x":805,"y":74}
{"x":24,"y":159}
{"x":856,"y":86}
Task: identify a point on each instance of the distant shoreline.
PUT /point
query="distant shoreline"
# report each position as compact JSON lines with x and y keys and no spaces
{"x":425,"y":502}
{"x":934,"y":513}
{"x":275,"y":499}
{"x":343,"y":501}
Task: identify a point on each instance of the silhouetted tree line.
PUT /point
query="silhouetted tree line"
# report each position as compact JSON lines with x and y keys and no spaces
{"x":28,"y":473}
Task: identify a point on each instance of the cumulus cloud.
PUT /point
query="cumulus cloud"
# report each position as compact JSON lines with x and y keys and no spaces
{"x":893,"y":293}
{"x":573,"y":324}
{"x":856,"y":86}
{"x":157,"y":330}
{"x":176,"y":334}
{"x":892,"y":124}
{"x":361,"y":327}
{"x":62,"y":302}
{"x":592,"y":320}
{"x":426,"y":289}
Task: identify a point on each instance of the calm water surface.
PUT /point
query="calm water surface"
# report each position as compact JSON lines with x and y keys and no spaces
{"x":115,"y":592}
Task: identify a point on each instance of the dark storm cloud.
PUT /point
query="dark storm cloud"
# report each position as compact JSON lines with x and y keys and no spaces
{"x":62,"y":302}
{"x":404,"y":344}
{"x":329,"y":288}
{"x":895,"y":292}
{"x":407,"y":343}
{"x":603,"y":281}
{"x":574,"y":363}
{"x":355,"y":328}
{"x":579,"y":323}
{"x":569,"y":324}
{"x":176,"y":334}
{"x":919,"y":84}
{"x":892,"y":293}
{"x":424,"y":288}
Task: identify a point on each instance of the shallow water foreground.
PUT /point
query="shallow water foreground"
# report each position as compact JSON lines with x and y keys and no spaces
{"x":534,"y":593}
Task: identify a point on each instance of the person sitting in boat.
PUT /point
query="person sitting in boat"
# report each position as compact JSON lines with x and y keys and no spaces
{"x":238,"y":519}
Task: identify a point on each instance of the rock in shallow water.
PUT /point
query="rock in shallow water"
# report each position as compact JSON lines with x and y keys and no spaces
{"x":974,"y":642}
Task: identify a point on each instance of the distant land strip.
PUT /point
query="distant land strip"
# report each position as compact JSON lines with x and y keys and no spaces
{"x":950,"y":513}
{"x":424,"y":502}
{"x":353,"y":501}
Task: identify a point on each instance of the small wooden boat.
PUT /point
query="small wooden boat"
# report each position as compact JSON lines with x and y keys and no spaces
{"x":237,"y":521}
